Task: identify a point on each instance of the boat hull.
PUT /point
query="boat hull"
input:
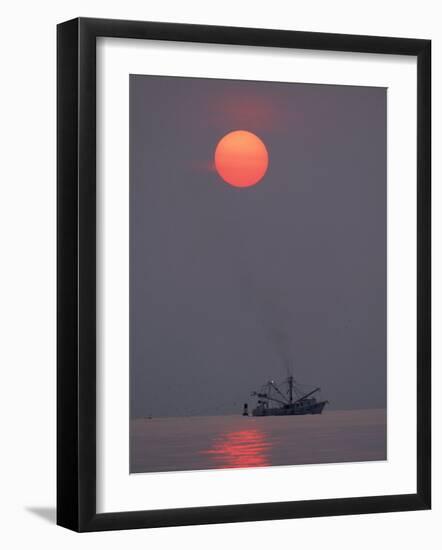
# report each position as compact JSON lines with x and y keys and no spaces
{"x":315,"y":408}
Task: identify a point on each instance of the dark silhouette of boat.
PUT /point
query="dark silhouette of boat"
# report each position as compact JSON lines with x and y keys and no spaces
{"x":286,"y":399}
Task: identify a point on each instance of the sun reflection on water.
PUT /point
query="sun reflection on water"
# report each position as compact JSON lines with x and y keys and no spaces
{"x":240,"y":449}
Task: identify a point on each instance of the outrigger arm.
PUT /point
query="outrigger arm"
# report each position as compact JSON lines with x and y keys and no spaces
{"x":308,"y":394}
{"x":275,"y":387}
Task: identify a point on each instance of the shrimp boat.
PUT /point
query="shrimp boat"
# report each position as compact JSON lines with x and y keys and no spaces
{"x":285,"y":399}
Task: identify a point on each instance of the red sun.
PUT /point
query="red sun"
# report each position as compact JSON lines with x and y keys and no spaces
{"x":241,"y":158}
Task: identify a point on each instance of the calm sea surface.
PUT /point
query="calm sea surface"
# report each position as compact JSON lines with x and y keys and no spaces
{"x":201,"y":443}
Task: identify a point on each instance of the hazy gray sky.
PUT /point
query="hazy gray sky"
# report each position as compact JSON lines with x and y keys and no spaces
{"x":230,"y":287}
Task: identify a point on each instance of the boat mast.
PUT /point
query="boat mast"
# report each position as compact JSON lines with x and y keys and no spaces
{"x":290,"y":389}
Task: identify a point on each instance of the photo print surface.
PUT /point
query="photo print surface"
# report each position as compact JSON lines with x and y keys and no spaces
{"x":258,"y":274}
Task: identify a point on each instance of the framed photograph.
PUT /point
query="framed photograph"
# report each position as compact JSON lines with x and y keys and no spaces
{"x":243,"y":274}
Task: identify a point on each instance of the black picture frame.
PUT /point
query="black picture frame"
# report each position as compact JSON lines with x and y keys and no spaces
{"x":76,"y":274}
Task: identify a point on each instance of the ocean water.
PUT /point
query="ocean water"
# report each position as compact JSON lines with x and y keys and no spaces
{"x":201,"y":443}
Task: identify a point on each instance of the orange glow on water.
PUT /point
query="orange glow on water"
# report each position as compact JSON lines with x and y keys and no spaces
{"x":241,"y":449}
